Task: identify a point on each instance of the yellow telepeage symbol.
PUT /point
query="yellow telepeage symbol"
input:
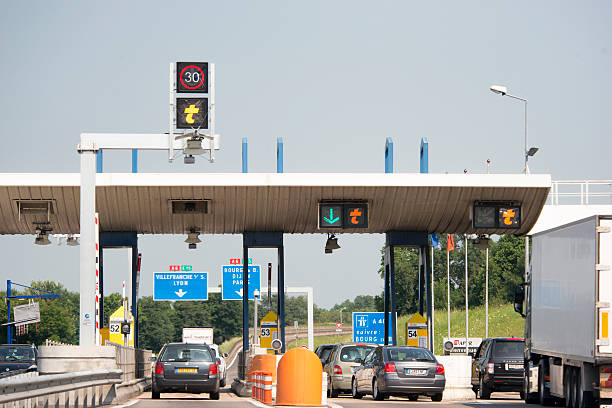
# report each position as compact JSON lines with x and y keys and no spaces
{"x":190,"y":111}
{"x":508,"y":215}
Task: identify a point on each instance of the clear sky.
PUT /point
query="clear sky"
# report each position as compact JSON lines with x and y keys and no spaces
{"x":334,"y":79}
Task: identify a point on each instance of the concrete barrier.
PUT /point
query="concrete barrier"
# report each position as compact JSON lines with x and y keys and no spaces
{"x":458,"y":372}
{"x":68,"y":359}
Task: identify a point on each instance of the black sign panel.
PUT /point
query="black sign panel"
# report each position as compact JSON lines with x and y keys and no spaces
{"x":192,"y":77}
{"x":192,"y":113}
{"x":343,"y":215}
{"x":355,"y":216}
{"x":496,"y":216}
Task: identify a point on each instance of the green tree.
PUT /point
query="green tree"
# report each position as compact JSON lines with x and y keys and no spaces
{"x":156,"y":320}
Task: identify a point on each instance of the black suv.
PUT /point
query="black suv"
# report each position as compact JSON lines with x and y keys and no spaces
{"x":18,"y":357}
{"x":498,"y":366}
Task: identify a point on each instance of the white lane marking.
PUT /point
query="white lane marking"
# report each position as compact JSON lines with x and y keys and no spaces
{"x":128,"y":404}
{"x":256,"y":403}
{"x":234,"y":359}
{"x":333,"y":405}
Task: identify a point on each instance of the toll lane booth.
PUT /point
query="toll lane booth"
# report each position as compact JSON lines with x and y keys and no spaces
{"x":406,"y":207}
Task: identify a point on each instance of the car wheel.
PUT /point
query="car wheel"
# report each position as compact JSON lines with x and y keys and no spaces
{"x":222,"y":383}
{"x":484,"y":392}
{"x":214,"y":395}
{"x":155,"y":395}
{"x":413,"y":397}
{"x":354,"y":392}
{"x":378,"y":396}
{"x":437,"y":397}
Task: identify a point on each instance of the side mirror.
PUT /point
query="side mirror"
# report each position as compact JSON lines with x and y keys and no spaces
{"x":225,"y":355}
{"x":519,"y":298}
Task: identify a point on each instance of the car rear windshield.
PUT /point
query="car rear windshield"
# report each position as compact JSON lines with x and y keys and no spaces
{"x":185,"y":353}
{"x":352,"y":353}
{"x":510,"y":348}
{"x":409,"y":354}
{"x":17,"y":354}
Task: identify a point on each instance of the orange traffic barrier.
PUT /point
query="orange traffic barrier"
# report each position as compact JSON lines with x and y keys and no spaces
{"x":299,"y":379}
{"x":262,"y":386}
{"x":263,"y":362}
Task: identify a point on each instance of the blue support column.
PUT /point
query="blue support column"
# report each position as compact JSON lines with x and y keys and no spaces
{"x":424,"y":155}
{"x":245,"y":155}
{"x":134,"y":161}
{"x":9,"y":328}
{"x":279,"y":155}
{"x":99,"y":167}
{"x":389,"y":155}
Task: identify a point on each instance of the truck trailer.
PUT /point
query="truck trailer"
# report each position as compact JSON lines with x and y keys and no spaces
{"x":567,"y":296}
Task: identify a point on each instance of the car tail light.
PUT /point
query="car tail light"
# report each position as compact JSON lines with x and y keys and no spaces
{"x":213,"y":369}
{"x":337,"y":370}
{"x":439,"y":368}
{"x":490,"y":368}
{"x":159,"y":368}
{"x":390,"y":368}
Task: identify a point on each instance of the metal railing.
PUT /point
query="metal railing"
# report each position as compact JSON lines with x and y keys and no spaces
{"x":580,"y":192}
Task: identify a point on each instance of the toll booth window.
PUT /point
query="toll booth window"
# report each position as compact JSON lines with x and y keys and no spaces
{"x":352,"y":353}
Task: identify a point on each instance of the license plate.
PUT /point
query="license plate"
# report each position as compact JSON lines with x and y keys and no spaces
{"x":414,"y":371}
{"x":186,"y":370}
{"x":514,"y":366}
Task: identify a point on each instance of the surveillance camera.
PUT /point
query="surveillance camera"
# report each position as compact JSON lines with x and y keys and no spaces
{"x":193,"y":246}
{"x":189,"y":159}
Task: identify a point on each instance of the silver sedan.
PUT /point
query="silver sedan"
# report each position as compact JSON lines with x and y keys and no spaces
{"x":399,"y":371}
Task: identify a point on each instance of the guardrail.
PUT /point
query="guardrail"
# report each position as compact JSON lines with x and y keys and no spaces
{"x":133,"y":362}
{"x":85,"y":388}
{"x":583,"y":192}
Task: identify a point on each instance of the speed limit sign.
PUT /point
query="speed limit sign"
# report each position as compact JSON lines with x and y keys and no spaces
{"x":192,"y":77}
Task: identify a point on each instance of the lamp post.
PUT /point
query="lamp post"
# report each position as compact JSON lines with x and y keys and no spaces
{"x":503,"y":91}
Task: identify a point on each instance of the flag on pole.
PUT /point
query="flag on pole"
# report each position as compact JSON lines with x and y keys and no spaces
{"x":435,"y":241}
{"x":450,"y":243}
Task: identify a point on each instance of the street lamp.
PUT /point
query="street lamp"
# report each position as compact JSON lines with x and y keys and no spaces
{"x":503,"y":91}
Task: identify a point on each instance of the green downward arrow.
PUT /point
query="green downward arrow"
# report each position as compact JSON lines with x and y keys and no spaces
{"x":331,"y":218}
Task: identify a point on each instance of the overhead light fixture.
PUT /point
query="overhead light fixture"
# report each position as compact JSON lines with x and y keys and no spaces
{"x":42,"y":237}
{"x":482,"y":242}
{"x":532,"y":151}
{"x":498,"y":89}
{"x":331,"y":243}
{"x":193,"y":238}
{"x":72,"y":240}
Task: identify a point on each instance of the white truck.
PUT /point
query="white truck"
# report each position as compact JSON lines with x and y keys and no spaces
{"x":204,"y":335}
{"x":568,"y":296}
{"x":198,"y":335}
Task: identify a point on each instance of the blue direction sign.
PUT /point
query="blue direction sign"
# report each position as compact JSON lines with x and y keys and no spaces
{"x":369,"y":327}
{"x":180,"y":286}
{"x":232,"y":281}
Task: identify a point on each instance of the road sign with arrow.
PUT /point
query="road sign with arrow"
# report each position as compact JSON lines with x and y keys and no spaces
{"x":343,"y":215}
{"x":180,"y":286}
{"x":232,"y":281}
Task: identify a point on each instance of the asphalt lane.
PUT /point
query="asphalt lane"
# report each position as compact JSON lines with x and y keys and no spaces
{"x":174,"y":400}
{"x":499,"y":399}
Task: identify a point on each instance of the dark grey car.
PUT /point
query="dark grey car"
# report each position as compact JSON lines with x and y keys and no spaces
{"x":183,"y":367}
{"x":14,"y":357}
{"x":399,"y":370}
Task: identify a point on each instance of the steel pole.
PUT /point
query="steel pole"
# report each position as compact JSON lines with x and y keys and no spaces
{"x":487,"y":294}
{"x":9,"y":331}
{"x":466,"y":297}
{"x":448,"y":290}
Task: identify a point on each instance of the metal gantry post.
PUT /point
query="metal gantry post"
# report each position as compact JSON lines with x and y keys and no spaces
{"x":9,"y":331}
{"x":245,"y":301}
{"x":281,"y":295}
{"x":428,"y":275}
{"x":387,"y":293}
{"x":87,"y":275}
